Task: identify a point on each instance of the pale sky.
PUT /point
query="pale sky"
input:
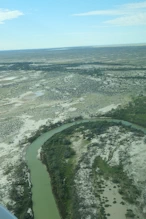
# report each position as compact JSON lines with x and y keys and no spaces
{"x":54,"y":23}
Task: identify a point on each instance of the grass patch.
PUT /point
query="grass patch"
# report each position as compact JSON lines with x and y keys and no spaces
{"x":134,"y":112}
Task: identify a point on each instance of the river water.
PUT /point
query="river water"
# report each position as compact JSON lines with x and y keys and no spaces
{"x":44,"y":205}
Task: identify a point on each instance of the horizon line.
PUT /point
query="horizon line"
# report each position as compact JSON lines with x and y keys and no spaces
{"x":69,"y":47}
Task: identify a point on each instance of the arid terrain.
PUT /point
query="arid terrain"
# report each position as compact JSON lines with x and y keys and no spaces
{"x":43,"y":87}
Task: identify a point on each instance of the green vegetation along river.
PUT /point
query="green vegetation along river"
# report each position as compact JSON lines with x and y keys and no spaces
{"x":44,"y":205}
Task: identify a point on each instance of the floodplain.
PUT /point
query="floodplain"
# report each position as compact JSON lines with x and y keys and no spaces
{"x":45,"y":87}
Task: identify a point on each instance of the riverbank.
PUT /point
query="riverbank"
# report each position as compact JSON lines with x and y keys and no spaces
{"x":79,"y":147}
{"x":43,"y":200}
{"x":21,"y":193}
{"x":61,"y":155}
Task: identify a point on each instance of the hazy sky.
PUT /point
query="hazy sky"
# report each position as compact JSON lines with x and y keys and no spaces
{"x":62,"y":23}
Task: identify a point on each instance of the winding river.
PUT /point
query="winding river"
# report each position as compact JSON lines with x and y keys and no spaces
{"x":44,"y":205}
